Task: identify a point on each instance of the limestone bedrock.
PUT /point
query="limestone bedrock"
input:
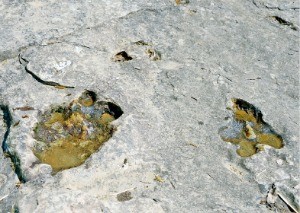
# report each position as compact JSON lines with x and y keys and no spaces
{"x":174,"y":104}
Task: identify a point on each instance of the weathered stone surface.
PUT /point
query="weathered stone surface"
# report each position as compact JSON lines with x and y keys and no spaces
{"x":210,"y":51}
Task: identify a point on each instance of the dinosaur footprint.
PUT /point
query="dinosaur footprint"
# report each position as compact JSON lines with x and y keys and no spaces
{"x":248,"y":130}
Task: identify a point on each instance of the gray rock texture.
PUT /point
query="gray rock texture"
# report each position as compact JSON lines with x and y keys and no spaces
{"x":174,"y":103}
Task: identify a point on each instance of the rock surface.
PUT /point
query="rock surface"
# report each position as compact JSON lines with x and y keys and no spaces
{"x":166,"y":154}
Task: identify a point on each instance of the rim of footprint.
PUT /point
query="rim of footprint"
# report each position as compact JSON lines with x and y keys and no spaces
{"x":67,"y":135}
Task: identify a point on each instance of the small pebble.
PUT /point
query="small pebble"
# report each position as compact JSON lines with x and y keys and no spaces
{"x":279,"y":161}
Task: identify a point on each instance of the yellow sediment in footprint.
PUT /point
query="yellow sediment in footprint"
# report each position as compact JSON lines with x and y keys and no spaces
{"x":247,"y":148}
{"x":232,"y":140}
{"x":271,"y":140}
{"x":70,"y":152}
{"x":55,"y":117}
{"x":106,"y":118}
{"x":244,"y":116}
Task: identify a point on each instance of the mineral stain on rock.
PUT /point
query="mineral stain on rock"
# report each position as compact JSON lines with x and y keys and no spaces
{"x":124,"y":196}
{"x":249,"y":130}
{"x":67,"y":135}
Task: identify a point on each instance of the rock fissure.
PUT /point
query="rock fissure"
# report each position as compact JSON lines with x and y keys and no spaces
{"x":16,"y":164}
{"x":263,"y":5}
{"x":281,"y":9}
{"x":282,"y":21}
{"x":38,"y":79}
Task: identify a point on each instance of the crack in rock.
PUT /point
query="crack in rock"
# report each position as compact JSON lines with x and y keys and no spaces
{"x":265,"y":6}
{"x":13,"y":156}
{"x":282,"y":21}
{"x":25,"y":62}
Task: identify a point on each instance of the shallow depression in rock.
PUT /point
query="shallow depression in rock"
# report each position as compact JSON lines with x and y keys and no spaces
{"x":248,"y":130}
{"x":67,"y":135}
